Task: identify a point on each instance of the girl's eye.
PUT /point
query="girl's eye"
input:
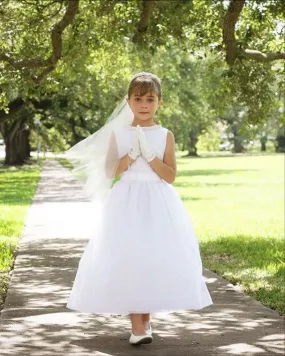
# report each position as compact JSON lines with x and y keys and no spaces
{"x":149,"y":100}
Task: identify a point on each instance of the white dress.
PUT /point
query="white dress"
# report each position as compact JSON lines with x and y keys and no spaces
{"x":143,"y":256}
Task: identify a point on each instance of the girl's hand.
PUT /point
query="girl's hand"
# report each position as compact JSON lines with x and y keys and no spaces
{"x":135,"y":151}
{"x":145,"y":150}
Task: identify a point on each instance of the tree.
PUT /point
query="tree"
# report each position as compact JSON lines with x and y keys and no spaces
{"x":243,"y":31}
{"x":41,"y":40}
{"x":41,"y":16}
{"x":20,"y":39}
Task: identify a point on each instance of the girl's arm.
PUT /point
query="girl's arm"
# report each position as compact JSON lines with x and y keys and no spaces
{"x":124,"y":164}
{"x":113,"y":165}
{"x":166,"y":169}
{"x":112,"y":157}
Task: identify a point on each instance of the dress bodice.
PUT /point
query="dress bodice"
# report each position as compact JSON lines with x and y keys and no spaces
{"x":156,"y":137}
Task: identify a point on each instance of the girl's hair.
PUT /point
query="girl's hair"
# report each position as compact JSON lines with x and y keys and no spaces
{"x":143,"y":83}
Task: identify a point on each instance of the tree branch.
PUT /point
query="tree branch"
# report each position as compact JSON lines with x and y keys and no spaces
{"x":232,"y":50}
{"x":38,"y":78}
{"x":143,"y":24}
{"x":56,"y":33}
{"x":24,"y":63}
{"x":230,"y":20}
{"x":56,"y":40}
{"x":263,"y":57}
{"x":14,"y":129}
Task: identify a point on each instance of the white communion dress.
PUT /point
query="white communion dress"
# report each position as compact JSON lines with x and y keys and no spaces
{"x":143,"y":256}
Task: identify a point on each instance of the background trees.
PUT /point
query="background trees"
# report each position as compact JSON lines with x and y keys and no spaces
{"x":67,"y":63}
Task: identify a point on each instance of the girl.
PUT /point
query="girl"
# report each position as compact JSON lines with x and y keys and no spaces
{"x":144,"y":256}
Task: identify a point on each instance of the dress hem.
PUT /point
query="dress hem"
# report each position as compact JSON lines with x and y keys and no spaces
{"x":141,"y":311}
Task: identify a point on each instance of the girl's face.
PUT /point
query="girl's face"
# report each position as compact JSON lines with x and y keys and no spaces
{"x":144,"y":107}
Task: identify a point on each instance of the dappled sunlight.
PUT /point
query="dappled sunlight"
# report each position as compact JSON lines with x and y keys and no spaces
{"x":274,"y":343}
{"x":80,"y":333}
{"x":210,"y":280}
{"x":35,"y":318}
{"x":242,"y":349}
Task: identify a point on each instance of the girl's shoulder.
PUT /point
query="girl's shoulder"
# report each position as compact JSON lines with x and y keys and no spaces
{"x":167,"y":131}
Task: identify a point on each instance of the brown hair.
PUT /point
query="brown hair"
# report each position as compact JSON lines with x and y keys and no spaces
{"x":143,"y":83}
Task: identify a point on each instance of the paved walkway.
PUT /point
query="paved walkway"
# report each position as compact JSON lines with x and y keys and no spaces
{"x":35,"y":322}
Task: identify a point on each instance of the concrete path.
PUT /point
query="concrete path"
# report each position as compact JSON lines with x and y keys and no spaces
{"x":35,"y":322}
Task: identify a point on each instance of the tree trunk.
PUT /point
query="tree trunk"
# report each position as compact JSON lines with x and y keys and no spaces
{"x":15,"y":132}
{"x":263,"y":146}
{"x":11,"y":133}
{"x":24,"y":146}
{"x":13,"y":156}
{"x":192,"y":142}
{"x":16,"y":139}
{"x":280,"y":143}
{"x":238,"y":147}
{"x":263,"y":140}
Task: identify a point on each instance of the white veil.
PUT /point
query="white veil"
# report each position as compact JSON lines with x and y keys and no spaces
{"x":95,"y":159}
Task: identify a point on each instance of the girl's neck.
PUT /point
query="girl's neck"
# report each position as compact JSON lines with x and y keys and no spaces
{"x":143,"y":123}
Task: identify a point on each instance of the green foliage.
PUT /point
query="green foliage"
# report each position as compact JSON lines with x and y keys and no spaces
{"x":50,"y":140}
{"x":4,"y":101}
{"x":183,"y":45}
{"x":209,"y":140}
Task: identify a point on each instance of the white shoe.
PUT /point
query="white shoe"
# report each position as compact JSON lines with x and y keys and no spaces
{"x":140,"y":339}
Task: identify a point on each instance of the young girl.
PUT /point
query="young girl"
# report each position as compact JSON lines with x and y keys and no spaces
{"x":145,"y":257}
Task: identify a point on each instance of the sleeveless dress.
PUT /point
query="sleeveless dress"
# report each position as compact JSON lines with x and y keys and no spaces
{"x":143,"y":256}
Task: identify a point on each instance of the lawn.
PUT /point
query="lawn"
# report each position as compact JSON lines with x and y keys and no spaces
{"x":17,"y":188}
{"x":236,"y":205}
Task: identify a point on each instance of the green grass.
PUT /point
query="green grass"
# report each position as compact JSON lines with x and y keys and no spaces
{"x":65,"y":162}
{"x":237,"y":209}
{"x":17,"y":188}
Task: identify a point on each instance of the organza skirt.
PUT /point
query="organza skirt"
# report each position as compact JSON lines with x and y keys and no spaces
{"x":143,"y":256}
